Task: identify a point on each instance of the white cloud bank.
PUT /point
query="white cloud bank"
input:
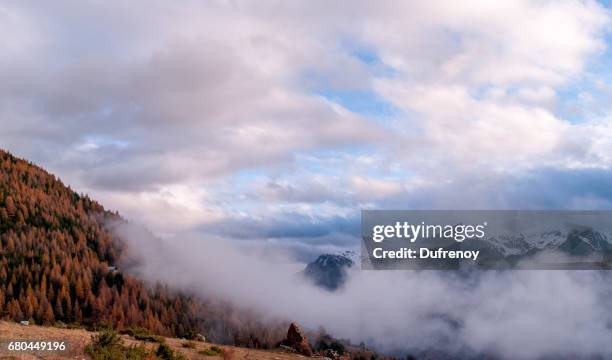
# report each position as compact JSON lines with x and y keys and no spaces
{"x":128,"y":101}
{"x":513,"y":315}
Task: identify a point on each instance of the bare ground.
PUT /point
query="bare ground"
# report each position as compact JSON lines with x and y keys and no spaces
{"x":77,"y":339}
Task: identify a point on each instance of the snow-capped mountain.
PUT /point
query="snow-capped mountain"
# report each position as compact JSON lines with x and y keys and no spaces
{"x":329,"y":271}
{"x":572,"y":241}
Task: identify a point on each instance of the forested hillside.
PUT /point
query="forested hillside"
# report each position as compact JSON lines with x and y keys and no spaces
{"x":57,"y":258}
{"x":58,"y":264}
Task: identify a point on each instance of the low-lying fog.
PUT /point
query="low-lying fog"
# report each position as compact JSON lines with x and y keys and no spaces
{"x":514,"y":314}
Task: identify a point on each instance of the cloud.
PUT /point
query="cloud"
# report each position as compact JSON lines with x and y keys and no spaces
{"x":203,"y":113}
{"x":193,"y":104}
{"x":502,"y":43}
{"x":513,"y":315}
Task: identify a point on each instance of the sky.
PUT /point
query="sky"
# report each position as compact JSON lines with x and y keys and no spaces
{"x":279,"y":121}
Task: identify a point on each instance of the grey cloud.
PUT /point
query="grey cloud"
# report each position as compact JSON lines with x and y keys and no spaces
{"x":301,"y":192}
{"x":548,"y":188}
{"x":294,"y":225}
{"x":193,"y":98}
{"x":221,"y":98}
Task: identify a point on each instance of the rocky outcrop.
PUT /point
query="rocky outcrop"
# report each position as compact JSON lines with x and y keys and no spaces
{"x":297,"y":340}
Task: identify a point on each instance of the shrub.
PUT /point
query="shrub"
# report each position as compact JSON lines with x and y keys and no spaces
{"x":106,"y":338}
{"x":212,"y":351}
{"x":142,"y":334}
{"x":136,"y":353}
{"x":131,"y":331}
{"x":165,"y":352}
{"x":107,"y":345}
{"x":326,"y":342}
{"x":99,"y":326}
{"x":150,"y":338}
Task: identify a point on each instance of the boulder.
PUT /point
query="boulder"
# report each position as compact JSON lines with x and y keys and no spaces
{"x":297,"y":340}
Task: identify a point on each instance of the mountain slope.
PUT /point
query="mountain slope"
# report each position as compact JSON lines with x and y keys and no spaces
{"x":56,"y":258}
{"x":58,"y":265}
{"x":75,"y":341}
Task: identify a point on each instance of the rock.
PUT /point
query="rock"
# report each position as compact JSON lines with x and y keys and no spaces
{"x":332,"y":354}
{"x":297,"y":340}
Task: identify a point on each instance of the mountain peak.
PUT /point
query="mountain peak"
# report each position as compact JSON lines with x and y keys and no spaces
{"x":329,"y":271}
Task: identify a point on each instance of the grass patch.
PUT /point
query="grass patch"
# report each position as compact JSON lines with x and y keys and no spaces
{"x":150,"y":338}
{"x":211,"y":351}
{"x":142,"y":334}
{"x":107,"y":345}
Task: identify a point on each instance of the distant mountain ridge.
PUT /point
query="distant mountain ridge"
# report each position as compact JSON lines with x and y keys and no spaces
{"x":573,"y":241}
{"x":574,"y":246}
